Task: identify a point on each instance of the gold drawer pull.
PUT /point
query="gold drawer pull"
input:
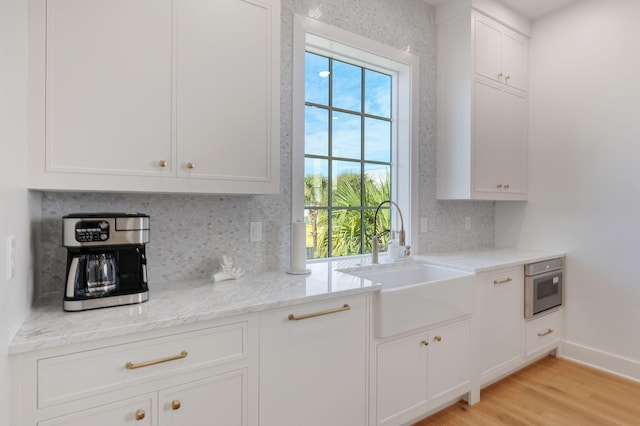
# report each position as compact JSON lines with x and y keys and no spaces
{"x":345,"y":307}
{"x":425,"y":343}
{"x":131,"y":366}
{"x":191,"y":165}
{"x":506,"y":280}
{"x":140,"y":414}
{"x":175,"y":404}
{"x":546,"y":333}
{"x":438,"y":338}
{"x":163,"y":163}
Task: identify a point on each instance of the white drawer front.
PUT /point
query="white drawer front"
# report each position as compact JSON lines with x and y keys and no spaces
{"x":82,"y":374}
{"x":135,"y":412}
{"x":543,"y":331}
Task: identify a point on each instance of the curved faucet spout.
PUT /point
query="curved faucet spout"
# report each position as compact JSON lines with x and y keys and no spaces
{"x":374,"y":241}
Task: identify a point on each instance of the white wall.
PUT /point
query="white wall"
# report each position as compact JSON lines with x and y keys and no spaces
{"x":585,"y":173}
{"x":15,"y":295}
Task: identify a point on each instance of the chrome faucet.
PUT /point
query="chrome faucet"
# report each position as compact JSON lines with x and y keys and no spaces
{"x":375,"y":239}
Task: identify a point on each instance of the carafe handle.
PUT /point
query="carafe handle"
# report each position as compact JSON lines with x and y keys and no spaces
{"x":71,"y":277}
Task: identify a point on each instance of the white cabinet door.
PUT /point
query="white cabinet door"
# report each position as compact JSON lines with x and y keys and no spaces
{"x":449,"y":358}
{"x":225,"y":94}
{"x":499,"y":140}
{"x":515,"y":54}
{"x":401,"y":377}
{"x":313,"y":371}
{"x":219,"y":400}
{"x":108,"y":86}
{"x":499,"y":317}
{"x":135,"y":411}
{"x":488,"y":50}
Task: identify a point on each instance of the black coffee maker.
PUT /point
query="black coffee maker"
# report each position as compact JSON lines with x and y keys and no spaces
{"x":106,"y":259}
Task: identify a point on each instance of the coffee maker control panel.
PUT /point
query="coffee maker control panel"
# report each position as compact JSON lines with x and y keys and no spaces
{"x":92,"y":231}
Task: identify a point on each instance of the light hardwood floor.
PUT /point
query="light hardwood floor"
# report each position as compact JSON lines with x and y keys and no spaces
{"x":547,"y":393}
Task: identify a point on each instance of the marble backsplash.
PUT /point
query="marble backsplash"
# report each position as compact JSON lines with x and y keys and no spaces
{"x":190,"y":233}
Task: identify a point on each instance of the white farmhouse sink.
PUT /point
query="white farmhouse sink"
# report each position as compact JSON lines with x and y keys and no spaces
{"x":416,"y":295}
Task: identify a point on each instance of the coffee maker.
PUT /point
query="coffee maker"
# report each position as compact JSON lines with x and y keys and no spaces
{"x":106,"y":259}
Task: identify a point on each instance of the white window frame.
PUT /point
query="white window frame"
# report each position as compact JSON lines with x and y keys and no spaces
{"x":318,"y":37}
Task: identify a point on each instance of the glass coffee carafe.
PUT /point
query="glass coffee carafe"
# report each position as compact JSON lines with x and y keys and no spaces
{"x":101,"y":273}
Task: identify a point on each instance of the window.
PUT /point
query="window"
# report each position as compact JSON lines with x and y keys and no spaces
{"x":354,"y":136}
{"x":348,"y":152}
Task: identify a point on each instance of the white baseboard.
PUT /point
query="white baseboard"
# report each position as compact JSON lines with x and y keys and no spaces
{"x":608,"y":362}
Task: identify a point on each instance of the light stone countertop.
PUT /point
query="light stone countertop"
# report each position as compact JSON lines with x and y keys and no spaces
{"x":178,"y":303}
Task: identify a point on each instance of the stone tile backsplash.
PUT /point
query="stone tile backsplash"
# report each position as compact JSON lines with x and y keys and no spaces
{"x":191,"y":233}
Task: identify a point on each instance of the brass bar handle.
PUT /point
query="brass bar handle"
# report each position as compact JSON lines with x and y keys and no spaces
{"x":140,"y":414}
{"x":546,"y":333}
{"x":131,"y":366}
{"x":343,"y":308}
{"x":506,"y":280}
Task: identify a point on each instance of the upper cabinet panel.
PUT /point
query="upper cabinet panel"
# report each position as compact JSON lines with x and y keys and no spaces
{"x":155,"y":95}
{"x":108,"y":86}
{"x":224,"y":71}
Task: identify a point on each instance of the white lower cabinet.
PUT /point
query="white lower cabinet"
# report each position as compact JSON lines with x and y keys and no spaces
{"x":498,"y":323}
{"x":313,"y":368}
{"x":204,"y":374}
{"x":417,"y":373}
{"x":543,"y":333}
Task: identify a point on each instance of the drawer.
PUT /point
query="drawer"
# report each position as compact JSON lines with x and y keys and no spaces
{"x":135,"y":412}
{"x":543,"y":331}
{"x":78,"y":375}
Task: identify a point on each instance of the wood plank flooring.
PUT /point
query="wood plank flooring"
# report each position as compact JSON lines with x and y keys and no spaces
{"x":547,"y":393}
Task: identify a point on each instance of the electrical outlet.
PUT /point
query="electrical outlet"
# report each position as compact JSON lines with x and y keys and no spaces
{"x":255,"y":232}
{"x":467,"y":223}
{"x":423,"y":224}
{"x":11,"y":258}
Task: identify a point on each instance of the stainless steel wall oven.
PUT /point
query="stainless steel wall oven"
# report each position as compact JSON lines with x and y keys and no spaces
{"x":543,"y":287}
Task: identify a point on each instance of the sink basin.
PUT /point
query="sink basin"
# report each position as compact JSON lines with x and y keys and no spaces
{"x":416,"y":295}
{"x":393,"y":276}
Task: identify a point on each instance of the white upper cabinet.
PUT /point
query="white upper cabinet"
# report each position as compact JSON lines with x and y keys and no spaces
{"x":155,"y":95}
{"x":500,"y":54}
{"x":482,"y":109}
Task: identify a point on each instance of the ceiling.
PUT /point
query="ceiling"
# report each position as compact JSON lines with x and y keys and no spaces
{"x":532,"y":9}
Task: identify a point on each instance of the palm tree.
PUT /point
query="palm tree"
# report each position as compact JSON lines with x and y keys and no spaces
{"x":346,"y":221}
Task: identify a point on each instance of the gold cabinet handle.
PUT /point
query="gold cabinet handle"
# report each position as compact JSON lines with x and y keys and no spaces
{"x":175,"y":404}
{"x":425,"y":343}
{"x":191,"y":165}
{"x":343,"y":308}
{"x":140,"y":414}
{"x":163,"y":163}
{"x":506,"y":187}
{"x":506,"y":280}
{"x":131,"y":366}
{"x":498,"y":186}
{"x":500,"y":75}
{"x":545,"y":333}
{"x":438,"y":338}
{"x":507,"y":78}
